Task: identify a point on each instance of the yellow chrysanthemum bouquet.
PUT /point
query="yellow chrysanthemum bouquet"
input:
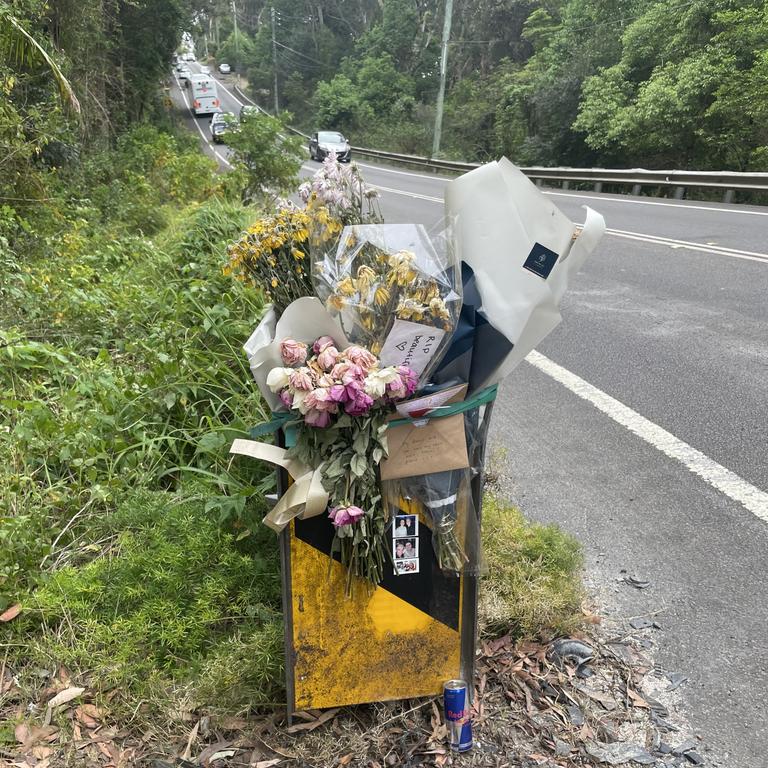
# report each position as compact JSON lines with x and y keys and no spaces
{"x":389,"y":282}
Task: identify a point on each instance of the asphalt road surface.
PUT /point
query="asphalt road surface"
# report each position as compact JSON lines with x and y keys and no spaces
{"x":641,"y":426}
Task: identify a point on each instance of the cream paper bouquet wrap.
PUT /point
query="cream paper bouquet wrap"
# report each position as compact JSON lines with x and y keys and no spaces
{"x":523,"y":251}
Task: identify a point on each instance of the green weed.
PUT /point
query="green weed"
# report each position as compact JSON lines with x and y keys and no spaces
{"x":533,"y":586}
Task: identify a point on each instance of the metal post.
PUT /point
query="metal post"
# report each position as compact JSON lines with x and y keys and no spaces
{"x":636,"y":189}
{"x":598,"y":186}
{"x":448,"y":13}
{"x":728,"y":196}
{"x":274,"y":60}
{"x":237,"y":36}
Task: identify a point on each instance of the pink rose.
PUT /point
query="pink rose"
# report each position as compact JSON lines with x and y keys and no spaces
{"x":316,"y":418}
{"x":292,"y":352}
{"x":360,"y":356}
{"x":301,"y":379}
{"x":360,"y":405}
{"x":339,"y":370}
{"x":320,"y":400}
{"x":342,"y":515}
{"x":396,"y":388}
{"x":322,"y":343}
{"x":354,"y":373}
{"x":338,"y":393}
{"x":410,"y":379}
{"x":328,"y":357}
{"x":286,"y":398}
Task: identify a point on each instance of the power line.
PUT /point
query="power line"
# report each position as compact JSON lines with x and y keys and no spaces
{"x":299,"y":53}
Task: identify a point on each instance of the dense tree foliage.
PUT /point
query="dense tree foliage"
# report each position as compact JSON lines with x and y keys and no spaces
{"x":582,"y":82}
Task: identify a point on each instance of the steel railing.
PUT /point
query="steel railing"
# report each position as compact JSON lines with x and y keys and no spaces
{"x":637,"y":178}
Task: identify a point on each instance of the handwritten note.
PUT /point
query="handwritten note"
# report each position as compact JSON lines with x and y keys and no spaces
{"x":411,"y":344}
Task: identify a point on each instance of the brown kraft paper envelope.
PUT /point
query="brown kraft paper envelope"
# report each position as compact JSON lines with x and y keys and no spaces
{"x":437,"y":446}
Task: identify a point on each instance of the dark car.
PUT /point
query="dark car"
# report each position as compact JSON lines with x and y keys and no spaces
{"x":222,"y":123}
{"x":247,"y":111}
{"x":323,"y":143}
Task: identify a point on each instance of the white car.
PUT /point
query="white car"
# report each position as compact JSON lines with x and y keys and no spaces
{"x":205,"y":70}
{"x":225,"y":69}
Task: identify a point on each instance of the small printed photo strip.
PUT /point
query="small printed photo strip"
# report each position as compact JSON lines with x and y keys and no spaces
{"x":405,"y":549}
{"x":406,"y":567}
{"x":405,"y":526}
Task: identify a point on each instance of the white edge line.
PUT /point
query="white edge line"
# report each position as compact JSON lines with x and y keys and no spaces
{"x":717,"y":476}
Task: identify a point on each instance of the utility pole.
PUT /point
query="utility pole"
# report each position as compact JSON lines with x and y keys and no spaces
{"x":448,"y":13}
{"x":274,"y":60}
{"x":237,"y":36}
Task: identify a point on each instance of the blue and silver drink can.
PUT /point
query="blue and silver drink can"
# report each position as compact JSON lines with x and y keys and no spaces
{"x":457,"y":715}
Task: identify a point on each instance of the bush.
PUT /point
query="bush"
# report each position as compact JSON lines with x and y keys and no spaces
{"x":173,"y":599}
{"x":534,"y":584}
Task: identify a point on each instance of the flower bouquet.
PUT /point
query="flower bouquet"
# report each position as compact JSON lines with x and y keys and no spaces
{"x":388,"y":279}
{"x":341,"y":398}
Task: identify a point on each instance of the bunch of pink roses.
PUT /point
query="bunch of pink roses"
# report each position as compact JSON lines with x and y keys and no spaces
{"x":320,"y":381}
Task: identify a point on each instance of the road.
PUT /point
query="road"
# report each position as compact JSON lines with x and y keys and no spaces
{"x":641,"y":426}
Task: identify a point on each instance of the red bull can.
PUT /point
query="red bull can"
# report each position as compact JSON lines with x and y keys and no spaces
{"x":457,"y":716}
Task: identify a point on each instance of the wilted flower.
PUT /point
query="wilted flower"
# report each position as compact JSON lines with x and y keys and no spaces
{"x":410,"y":379}
{"x":301,"y":379}
{"x":322,"y":343}
{"x":345,"y":515}
{"x":328,"y":357}
{"x":293,"y":352}
{"x":360,"y":356}
{"x":286,"y":398}
{"x":278,"y":378}
{"x":360,"y":404}
{"x":376,"y":381}
{"x":316,"y":418}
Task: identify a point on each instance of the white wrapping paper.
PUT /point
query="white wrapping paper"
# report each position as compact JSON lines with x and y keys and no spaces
{"x":500,"y":216}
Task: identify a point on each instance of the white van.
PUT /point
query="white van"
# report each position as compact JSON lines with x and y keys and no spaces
{"x":205,"y":100}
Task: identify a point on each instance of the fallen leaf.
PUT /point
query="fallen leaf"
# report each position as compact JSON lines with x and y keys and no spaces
{"x":21,"y":732}
{"x":210,"y":751}
{"x":41,"y":752}
{"x":221,"y":754}
{"x":324,"y":718}
{"x":11,"y":613}
{"x":637,"y":699}
{"x":67,"y":695}
{"x":347,"y":759}
{"x":37,"y":735}
{"x":192,"y":736}
{"x":268,"y":763}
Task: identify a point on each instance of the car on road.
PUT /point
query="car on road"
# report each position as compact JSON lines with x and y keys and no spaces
{"x":184,"y":74}
{"x":205,"y":70}
{"x":247,"y":111}
{"x":323,"y":143}
{"x":189,"y":56}
{"x":222,"y":123}
{"x":225,"y":69}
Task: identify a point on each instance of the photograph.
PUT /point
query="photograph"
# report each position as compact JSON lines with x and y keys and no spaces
{"x":405,"y":525}
{"x":405,"y":549}
{"x":406,"y":567}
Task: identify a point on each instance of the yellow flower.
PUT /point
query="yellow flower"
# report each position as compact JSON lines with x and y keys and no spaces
{"x":274,"y":282}
{"x":297,"y":254}
{"x":365,"y":279}
{"x":336,"y":302}
{"x":346,"y":287}
{"x":381,"y":296}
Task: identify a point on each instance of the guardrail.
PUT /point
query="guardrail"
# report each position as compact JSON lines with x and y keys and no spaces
{"x":728,"y":181}
{"x":637,"y":178}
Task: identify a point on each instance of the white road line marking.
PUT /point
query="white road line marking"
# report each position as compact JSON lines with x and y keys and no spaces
{"x":718,"y":251}
{"x":653,"y":239}
{"x":635,"y":201}
{"x":433,"y":177}
{"x":197,"y":125}
{"x":720,"y":478}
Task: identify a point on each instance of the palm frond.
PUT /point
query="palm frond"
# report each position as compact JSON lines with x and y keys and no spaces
{"x":21,"y":48}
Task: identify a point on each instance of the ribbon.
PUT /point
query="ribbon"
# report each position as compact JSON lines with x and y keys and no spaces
{"x":305,"y":498}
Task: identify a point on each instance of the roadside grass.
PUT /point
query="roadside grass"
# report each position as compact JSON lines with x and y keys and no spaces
{"x":534,"y":586}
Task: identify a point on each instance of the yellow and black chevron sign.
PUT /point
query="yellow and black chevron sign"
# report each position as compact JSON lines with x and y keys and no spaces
{"x":400,"y":640}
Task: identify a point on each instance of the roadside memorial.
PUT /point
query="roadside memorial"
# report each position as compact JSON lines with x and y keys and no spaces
{"x":380,"y":359}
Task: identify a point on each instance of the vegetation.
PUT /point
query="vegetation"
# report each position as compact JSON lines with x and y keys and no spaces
{"x":572,"y":82}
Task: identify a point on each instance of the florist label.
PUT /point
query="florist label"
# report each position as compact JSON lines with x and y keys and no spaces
{"x":540,"y":260}
{"x":411,"y":344}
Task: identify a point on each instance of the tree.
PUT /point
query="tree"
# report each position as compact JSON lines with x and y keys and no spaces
{"x":266,"y":155}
